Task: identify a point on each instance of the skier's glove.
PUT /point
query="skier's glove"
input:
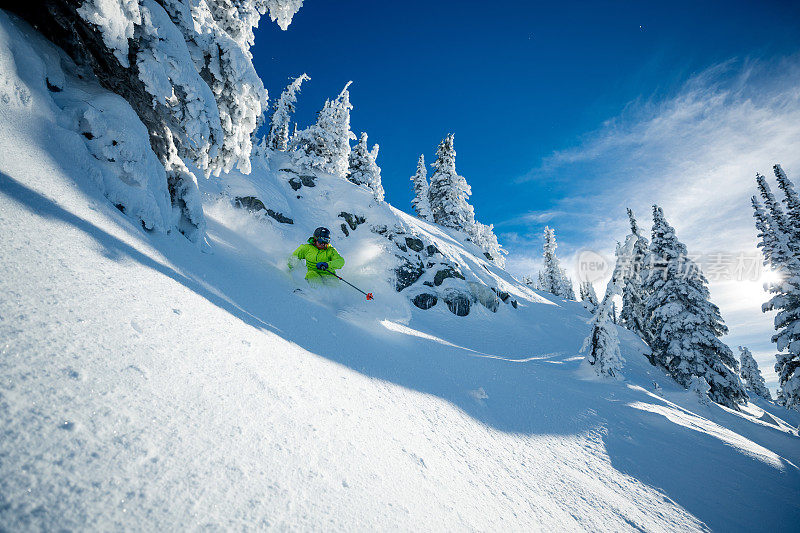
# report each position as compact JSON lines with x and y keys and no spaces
{"x":322,"y":266}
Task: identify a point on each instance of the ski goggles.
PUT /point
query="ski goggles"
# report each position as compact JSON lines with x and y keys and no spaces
{"x":323,"y":240}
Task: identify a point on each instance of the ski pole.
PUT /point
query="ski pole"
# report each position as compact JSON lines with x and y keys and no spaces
{"x":367,"y":294}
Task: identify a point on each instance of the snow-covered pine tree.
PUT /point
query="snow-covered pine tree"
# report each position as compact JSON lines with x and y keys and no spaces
{"x":483,"y":236}
{"x":184,"y":67}
{"x":448,"y":192}
{"x":588,"y":296}
{"x":325,"y":145}
{"x":751,"y":375}
{"x":701,"y":388}
{"x":632,"y":313}
{"x":278,"y":138}
{"x":567,"y":289}
{"x":553,"y":278}
{"x":602,"y":344}
{"x":791,"y":200}
{"x":686,"y":325}
{"x":363,"y":170}
{"x":775,"y":243}
{"x":541,"y":281}
{"x":781,"y":224}
{"x":421,"y":203}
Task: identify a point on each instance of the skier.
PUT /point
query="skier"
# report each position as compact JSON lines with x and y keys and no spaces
{"x":322,"y":259}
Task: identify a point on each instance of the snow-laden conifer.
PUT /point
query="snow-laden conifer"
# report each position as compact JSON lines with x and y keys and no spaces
{"x":541,"y":281}
{"x":421,"y":203}
{"x":218,"y":36}
{"x":553,"y":278}
{"x":602,"y":345}
{"x":776,"y":243}
{"x":278,"y":138}
{"x":588,"y":296}
{"x":483,"y":236}
{"x":448,"y":192}
{"x":686,"y":326}
{"x":363,"y":170}
{"x":632,"y":313}
{"x":781,"y":225}
{"x":791,"y":200}
{"x":700,"y":386}
{"x":751,"y":374}
{"x":184,"y":67}
{"x":325,"y":145}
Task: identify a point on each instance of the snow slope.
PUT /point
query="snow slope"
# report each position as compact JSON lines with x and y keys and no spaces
{"x":148,"y":384}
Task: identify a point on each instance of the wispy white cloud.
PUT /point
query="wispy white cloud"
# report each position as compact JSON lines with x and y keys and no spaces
{"x":695,"y":153}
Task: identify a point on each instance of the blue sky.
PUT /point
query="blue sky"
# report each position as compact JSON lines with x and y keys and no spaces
{"x":566,"y":113}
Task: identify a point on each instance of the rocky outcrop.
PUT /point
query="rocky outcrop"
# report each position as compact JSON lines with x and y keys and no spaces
{"x":425,"y":300}
{"x":447,"y":272}
{"x":254,"y":205}
{"x":415,"y":244}
{"x":299,"y":181}
{"x":457,"y":302}
{"x":408,"y":273}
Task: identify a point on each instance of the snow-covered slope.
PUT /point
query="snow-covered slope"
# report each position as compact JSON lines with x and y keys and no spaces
{"x":146,"y":383}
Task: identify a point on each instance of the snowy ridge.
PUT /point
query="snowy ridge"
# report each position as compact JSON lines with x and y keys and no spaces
{"x":146,"y":383}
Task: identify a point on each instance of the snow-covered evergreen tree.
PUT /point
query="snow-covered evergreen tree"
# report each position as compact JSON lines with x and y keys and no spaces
{"x":777,"y":246}
{"x":602,"y":344}
{"x":448,"y":192}
{"x":421,"y":203}
{"x":588,"y":296}
{"x":184,"y":67}
{"x":363,"y":170}
{"x":483,"y":236}
{"x":791,"y":200}
{"x":685,"y":324}
{"x":326,"y":145}
{"x":632,"y":313}
{"x":751,"y":375}
{"x":699,"y":386}
{"x":553,"y":278}
{"x":218,"y":36}
{"x":278,"y":138}
{"x":781,"y":224}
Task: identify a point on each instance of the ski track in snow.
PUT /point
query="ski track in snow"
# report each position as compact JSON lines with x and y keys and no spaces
{"x":147,"y":385}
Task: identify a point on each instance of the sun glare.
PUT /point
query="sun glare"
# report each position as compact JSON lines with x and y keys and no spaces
{"x":770,"y":276}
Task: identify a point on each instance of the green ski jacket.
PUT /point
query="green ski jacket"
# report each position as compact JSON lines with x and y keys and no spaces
{"x":314,"y":255}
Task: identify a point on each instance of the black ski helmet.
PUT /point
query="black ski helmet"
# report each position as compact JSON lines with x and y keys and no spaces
{"x":322,"y":234}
